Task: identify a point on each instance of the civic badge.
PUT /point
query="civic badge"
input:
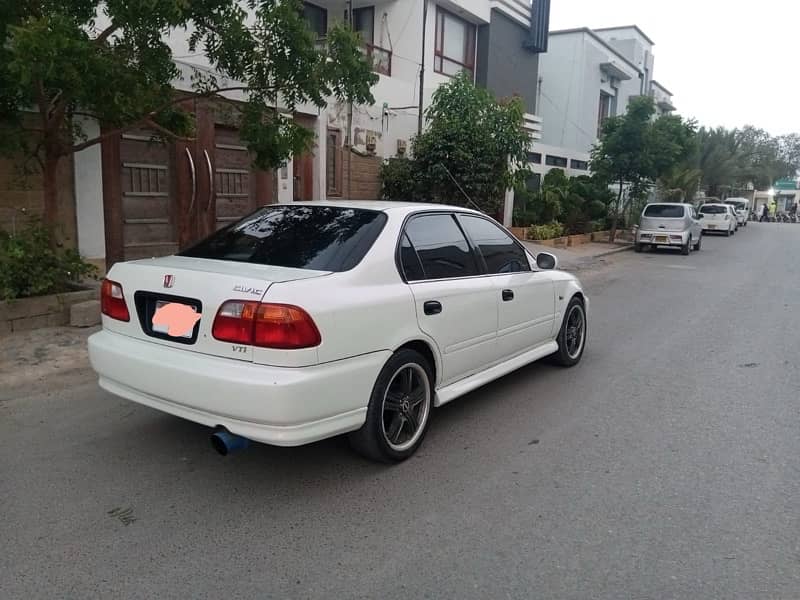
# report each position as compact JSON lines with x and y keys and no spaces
{"x":169,"y":281}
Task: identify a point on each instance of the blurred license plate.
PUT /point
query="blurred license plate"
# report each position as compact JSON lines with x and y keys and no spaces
{"x":164,"y":328}
{"x":712,"y":226}
{"x":661,"y":239}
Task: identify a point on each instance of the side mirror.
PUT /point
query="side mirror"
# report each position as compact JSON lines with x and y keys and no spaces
{"x":546,"y":261}
{"x":701,"y":216}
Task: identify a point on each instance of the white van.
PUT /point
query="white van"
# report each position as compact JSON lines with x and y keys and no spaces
{"x":742,"y":208}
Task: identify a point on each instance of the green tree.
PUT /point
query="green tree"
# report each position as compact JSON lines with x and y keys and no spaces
{"x":731,"y":159}
{"x":680,"y":184}
{"x":635,"y":150}
{"x":109,"y":60}
{"x":475,"y":138}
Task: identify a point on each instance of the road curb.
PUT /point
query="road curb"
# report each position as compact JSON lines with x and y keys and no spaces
{"x":614,"y":251}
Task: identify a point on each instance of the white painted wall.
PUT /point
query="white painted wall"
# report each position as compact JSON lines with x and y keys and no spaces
{"x":89,"y":196}
{"x":570,"y":90}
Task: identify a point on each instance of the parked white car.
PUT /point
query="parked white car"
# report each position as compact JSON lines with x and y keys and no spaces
{"x":741,"y":206}
{"x":719,"y":218}
{"x":669,"y":224}
{"x":306,"y":321}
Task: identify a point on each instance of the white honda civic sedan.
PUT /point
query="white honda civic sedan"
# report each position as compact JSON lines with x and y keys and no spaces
{"x":306,"y":321}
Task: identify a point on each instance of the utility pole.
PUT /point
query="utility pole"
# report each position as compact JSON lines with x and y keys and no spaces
{"x":422,"y":67}
{"x":349,"y":137}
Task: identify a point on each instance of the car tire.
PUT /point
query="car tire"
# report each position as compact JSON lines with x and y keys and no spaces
{"x":698,"y":244}
{"x":687,"y":247}
{"x":727,"y":233}
{"x":637,"y":247}
{"x":392,"y":400}
{"x":569,"y":353}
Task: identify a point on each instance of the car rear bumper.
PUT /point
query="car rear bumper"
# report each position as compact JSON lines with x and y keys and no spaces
{"x":720,"y":227}
{"x":662,"y":238}
{"x":273,"y":405}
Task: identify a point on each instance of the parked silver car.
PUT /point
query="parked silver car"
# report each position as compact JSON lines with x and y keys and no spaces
{"x":669,"y":224}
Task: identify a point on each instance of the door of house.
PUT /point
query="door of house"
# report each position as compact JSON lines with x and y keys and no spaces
{"x":303,"y":166}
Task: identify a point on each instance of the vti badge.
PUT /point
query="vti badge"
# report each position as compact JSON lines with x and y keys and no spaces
{"x":169,"y":281}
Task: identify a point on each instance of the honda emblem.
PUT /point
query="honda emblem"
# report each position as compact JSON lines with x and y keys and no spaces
{"x":169,"y":281}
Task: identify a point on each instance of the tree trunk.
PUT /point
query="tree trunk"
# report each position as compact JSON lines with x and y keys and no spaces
{"x":615,"y":218}
{"x":50,"y":182}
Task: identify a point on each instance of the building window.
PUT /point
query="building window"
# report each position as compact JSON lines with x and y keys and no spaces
{"x":533,"y":184}
{"x":333,"y":167}
{"x":556,"y":161}
{"x":603,"y":111}
{"x":317,"y":19}
{"x":455,"y":45}
{"x":535,"y":158}
{"x":364,"y":23}
{"x":579,"y":165}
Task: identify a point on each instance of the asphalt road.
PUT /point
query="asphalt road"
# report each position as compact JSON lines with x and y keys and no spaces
{"x":666,"y":465}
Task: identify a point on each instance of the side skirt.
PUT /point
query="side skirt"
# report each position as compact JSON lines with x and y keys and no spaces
{"x":473,"y":382}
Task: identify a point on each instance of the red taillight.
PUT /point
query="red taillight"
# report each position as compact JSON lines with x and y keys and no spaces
{"x":112,"y":301}
{"x":234,"y":322}
{"x":279,"y":326}
{"x":285,"y":327}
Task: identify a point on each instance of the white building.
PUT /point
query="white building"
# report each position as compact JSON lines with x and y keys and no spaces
{"x":585,"y":77}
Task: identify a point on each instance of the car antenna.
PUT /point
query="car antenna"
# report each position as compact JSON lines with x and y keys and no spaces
{"x":460,"y":189}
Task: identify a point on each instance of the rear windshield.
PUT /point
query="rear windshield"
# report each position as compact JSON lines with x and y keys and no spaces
{"x":737,"y":205}
{"x":320,"y":238}
{"x":664,"y":211}
{"x":713,"y":210}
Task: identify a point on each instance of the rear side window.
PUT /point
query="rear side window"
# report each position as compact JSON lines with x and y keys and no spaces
{"x":441,"y":246}
{"x":713,"y":210}
{"x":320,"y":238}
{"x":664,"y":211}
{"x":500,"y":251}
{"x":412,"y":267}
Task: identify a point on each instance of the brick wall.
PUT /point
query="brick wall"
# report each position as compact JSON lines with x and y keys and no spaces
{"x":365,"y":181}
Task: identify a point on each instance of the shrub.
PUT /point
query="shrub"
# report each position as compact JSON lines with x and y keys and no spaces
{"x":548,"y":231}
{"x":30,"y":266}
{"x":399,"y":180}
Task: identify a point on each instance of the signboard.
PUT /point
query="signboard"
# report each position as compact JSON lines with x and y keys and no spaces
{"x":786,"y":184}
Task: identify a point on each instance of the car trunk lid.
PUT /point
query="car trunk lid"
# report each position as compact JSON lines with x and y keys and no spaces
{"x":662,"y":224}
{"x":197,"y":287}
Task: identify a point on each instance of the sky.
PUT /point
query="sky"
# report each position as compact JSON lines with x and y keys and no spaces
{"x":727,"y":62}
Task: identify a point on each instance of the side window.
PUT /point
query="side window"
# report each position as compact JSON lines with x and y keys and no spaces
{"x":500,"y":251}
{"x":441,"y":247}
{"x":412,"y":268}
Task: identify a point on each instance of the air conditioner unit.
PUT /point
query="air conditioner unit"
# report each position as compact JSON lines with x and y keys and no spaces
{"x":372,"y":141}
{"x":402,"y":145}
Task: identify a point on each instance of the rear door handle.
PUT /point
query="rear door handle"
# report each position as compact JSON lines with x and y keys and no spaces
{"x":432,"y":307}
{"x":508,"y":295}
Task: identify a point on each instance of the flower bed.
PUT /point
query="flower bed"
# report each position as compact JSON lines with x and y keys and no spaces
{"x":24,"y":314}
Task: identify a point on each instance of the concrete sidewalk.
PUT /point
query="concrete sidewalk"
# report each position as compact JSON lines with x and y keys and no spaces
{"x":43,"y":360}
{"x":578,"y":258}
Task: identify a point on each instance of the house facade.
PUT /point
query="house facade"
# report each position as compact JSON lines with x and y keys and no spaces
{"x":138,"y":199}
{"x":587,"y":76}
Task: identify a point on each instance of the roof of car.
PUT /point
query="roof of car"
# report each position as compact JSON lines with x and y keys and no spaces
{"x":384,"y":206}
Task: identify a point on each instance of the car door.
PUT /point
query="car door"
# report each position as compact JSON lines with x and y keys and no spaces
{"x":697,"y":224}
{"x":526,"y":298}
{"x":456,"y":304}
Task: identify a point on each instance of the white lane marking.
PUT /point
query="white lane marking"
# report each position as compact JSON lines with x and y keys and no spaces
{"x":685,"y":267}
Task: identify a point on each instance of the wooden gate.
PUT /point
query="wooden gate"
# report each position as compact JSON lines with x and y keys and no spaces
{"x":162,"y":197}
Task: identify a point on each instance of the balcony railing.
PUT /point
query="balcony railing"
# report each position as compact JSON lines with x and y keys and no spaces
{"x":381,"y":59}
